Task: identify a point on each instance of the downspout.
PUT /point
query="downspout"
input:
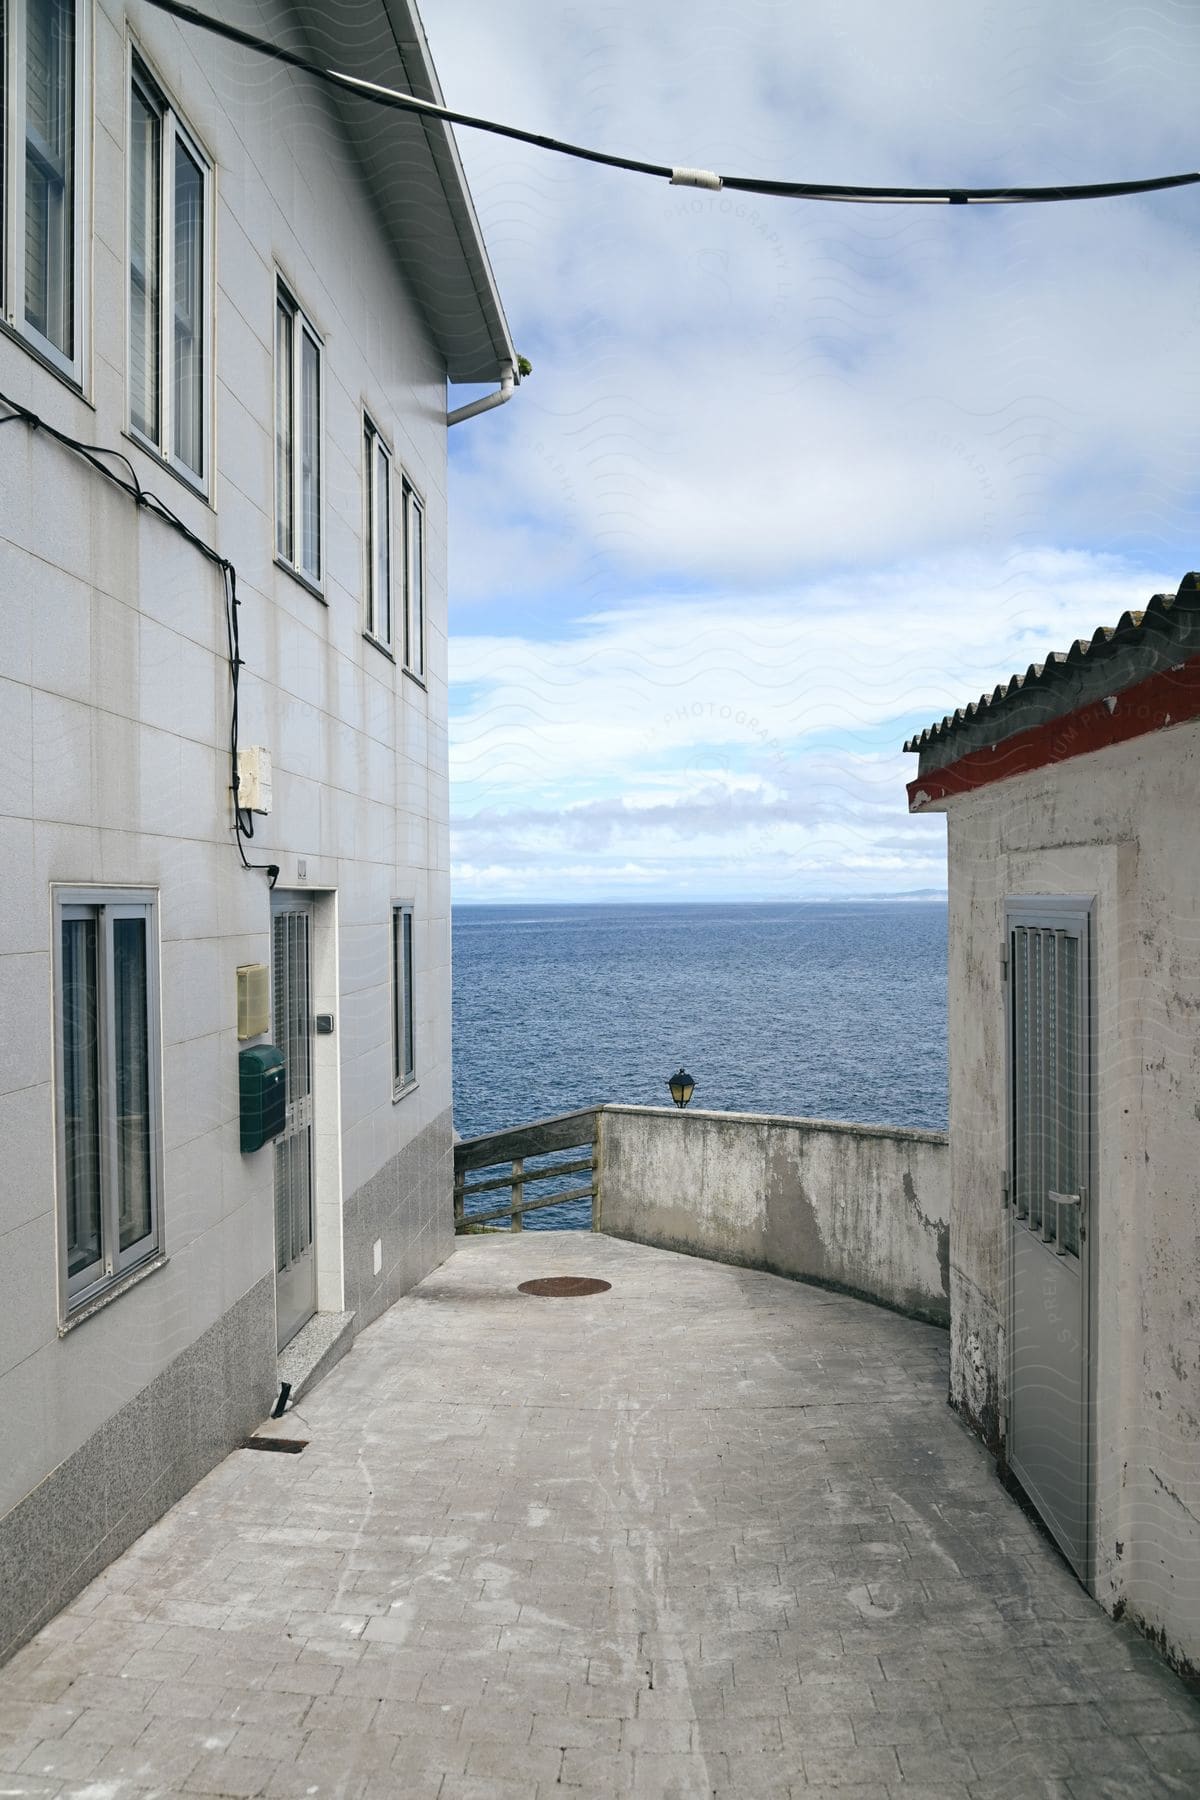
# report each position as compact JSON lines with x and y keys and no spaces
{"x":508,"y":381}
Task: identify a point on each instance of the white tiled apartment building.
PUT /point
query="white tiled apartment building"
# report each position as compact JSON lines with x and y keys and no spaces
{"x":249,"y":290}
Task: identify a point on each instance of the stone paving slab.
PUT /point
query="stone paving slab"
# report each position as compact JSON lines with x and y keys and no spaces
{"x":709,"y":1534}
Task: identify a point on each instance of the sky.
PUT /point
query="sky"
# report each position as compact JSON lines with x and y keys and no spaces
{"x":790,"y":480}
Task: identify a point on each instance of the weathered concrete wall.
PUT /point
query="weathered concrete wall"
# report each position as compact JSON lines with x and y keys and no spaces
{"x":858,"y":1207}
{"x":1119,"y":827}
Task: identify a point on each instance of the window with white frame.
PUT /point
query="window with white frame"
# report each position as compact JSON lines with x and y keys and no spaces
{"x":45,"y":182}
{"x":169,"y":279}
{"x":108,"y":1086}
{"x":377,"y":534}
{"x":298,"y":406}
{"x":404,"y":1033}
{"x":414,"y":579}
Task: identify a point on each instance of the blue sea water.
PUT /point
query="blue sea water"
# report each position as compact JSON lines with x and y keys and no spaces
{"x":833,"y":1011}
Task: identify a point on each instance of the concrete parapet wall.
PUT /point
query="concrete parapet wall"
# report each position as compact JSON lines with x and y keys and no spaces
{"x":864,"y":1208}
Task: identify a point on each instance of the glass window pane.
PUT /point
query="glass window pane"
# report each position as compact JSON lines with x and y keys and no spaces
{"x":145,"y":204}
{"x":397,"y":996}
{"x":414,"y":571}
{"x":383,"y":546}
{"x":369,"y":521}
{"x":131,"y":1082}
{"x":49,"y":170}
{"x":284,"y":431}
{"x":418,"y":587}
{"x":81,"y":1091}
{"x":409,"y":1045}
{"x":187,"y":393}
{"x":310,"y":453}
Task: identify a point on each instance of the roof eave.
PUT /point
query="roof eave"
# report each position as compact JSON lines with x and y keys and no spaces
{"x":413,"y":170}
{"x":444,"y":150}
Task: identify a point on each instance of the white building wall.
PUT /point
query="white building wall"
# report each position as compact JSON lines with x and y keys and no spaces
{"x":1118,"y":825}
{"x":114,"y":720}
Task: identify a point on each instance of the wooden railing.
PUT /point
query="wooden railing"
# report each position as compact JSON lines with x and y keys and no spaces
{"x":518,"y":1148}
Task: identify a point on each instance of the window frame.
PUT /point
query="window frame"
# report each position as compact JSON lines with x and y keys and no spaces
{"x":1066,"y":916}
{"x":375,"y":445}
{"x":114,"y":1267}
{"x":302,"y":328}
{"x":14,"y":191}
{"x":412,"y":500}
{"x":174,"y":133}
{"x":403,"y":1007}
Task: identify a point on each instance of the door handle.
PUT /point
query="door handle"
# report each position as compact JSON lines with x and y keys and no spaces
{"x":1075,"y":1202}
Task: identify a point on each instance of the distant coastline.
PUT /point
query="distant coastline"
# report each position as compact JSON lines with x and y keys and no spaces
{"x":910,"y":896}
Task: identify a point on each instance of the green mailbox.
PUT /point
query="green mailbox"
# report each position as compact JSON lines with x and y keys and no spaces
{"x":262,"y":1079}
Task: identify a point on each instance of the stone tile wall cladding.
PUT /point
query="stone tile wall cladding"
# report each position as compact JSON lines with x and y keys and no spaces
{"x":142,"y":1460}
{"x":407,"y":1208}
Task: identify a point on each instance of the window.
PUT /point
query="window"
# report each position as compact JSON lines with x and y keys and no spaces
{"x":298,"y":380}
{"x":404,"y":1042}
{"x":414,"y":580}
{"x":377,"y":533}
{"x":44,"y":185}
{"x":169,"y":279}
{"x":106,"y":1041}
{"x":1049,"y":1082}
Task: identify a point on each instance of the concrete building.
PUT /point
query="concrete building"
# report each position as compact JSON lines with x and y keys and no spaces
{"x":249,"y":290}
{"x":1074,"y":874}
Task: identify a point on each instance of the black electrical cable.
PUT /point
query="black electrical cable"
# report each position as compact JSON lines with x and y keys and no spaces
{"x":148,"y":502}
{"x":744,"y":184}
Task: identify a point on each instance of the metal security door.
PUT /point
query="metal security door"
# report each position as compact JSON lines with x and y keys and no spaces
{"x":1049,"y":1448}
{"x":291,"y":983}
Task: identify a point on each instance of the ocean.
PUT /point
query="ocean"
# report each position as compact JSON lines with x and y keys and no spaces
{"x":831,"y":1011}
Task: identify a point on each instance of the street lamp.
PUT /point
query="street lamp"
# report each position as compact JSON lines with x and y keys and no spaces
{"x":682,"y":1086}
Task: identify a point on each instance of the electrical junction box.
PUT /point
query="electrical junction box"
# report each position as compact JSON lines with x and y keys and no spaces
{"x":253,"y":999}
{"x":262,"y":1083}
{"x":254,"y":779}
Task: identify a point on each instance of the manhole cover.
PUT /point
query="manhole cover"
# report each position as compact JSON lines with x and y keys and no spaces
{"x":564,"y":1287}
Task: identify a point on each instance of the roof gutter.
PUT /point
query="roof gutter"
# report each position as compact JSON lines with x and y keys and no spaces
{"x":508,"y":382}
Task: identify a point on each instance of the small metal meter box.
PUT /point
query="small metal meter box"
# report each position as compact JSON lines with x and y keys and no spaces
{"x":253,"y":999}
{"x":254,"y":779}
{"x":262,"y":1079}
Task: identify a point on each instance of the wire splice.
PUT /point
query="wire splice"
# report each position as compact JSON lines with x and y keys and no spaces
{"x":398,"y":101}
{"x":701,"y":178}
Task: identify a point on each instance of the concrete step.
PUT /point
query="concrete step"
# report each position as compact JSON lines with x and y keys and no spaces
{"x":314,"y":1350}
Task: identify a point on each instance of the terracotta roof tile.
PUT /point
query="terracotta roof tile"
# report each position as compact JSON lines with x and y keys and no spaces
{"x":1131,"y":628}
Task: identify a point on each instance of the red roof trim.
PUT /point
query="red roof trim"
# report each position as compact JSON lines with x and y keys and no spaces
{"x":1169,"y":698}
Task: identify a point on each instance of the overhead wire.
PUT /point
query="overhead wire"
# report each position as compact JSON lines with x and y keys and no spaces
{"x":678,"y":175}
{"x":101,"y":458}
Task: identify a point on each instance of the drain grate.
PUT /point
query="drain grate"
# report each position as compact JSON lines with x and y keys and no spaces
{"x":285,"y":1446}
{"x":564,"y":1287}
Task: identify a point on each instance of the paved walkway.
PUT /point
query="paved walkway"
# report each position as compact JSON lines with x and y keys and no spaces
{"x":709,"y":1533}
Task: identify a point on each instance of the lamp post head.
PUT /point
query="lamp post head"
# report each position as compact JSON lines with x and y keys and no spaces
{"x":682,"y":1086}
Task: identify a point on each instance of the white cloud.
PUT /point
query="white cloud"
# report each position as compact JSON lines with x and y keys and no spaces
{"x":764,"y":734}
{"x":878,"y":457}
